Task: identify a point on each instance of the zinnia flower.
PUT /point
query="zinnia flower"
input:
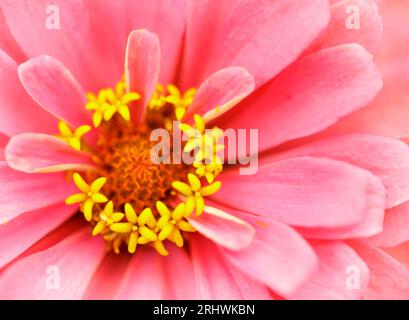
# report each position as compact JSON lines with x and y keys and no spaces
{"x":77,"y":177}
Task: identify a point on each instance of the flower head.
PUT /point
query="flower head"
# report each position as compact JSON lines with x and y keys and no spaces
{"x":287,"y":70}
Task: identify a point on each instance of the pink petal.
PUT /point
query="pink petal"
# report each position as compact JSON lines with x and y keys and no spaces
{"x":223,"y":228}
{"x":309,"y":96}
{"x":18,"y":113}
{"x":395,"y":227}
{"x":222,"y":91}
{"x":167,"y":19}
{"x":107,"y":278}
{"x":262,"y":37}
{"x":142,"y":65}
{"x":400,"y":253}
{"x":3,"y":142}
{"x":35,"y":152}
{"x":136,"y":285}
{"x":53,"y":237}
{"x":275,"y":249}
{"x":23,"y":192}
{"x":178,"y":269}
{"x":306,"y":191}
{"x":172,"y":276}
{"x":54,"y":88}
{"x":73,"y":261}
{"x":33,"y":24}
{"x":389,"y":279}
{"x":216,"y":279}
{"x":368,"y":35}
{"x":332,"y":280}
{"x":371,"y":224}
{"x":23,"y":231}
{"x":8,"y":43}
{"x":391,"y":105}
{"x":384,"y":157}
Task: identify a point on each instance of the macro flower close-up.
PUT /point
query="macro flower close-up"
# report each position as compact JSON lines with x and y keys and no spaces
{"x":203,"y":149}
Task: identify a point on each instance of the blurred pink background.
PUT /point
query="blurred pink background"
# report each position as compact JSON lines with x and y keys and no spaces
{"x":393,"y":101}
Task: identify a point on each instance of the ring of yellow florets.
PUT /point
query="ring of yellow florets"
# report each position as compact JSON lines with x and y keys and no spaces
{"x":163,"y":222}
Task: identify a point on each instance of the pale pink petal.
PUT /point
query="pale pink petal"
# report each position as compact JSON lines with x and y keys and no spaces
{"x":309,"y":96}
{"x":8,"y":43}
{"x":20,"y":233}
{"x":222,"y":91}
{"x":54,"y":88}
{"x":384,"y":157}
{"x":18,"y":112}
{"x":216,"y":279}
{"x":389,"y":279}
{"x":391,"y":105}
{"x":142,"y":65}
{"x":178,"y":271}
{"x":60,"y":272}
{"x":144,"y":278}
{"x":274,"y":255}
{"x":167,"y":19}
{"x":263,"y":37}
{"x":305,"y":191}
{"x":371,"y":224}
{"x":345,"y":15}
{"x":108,"y":277}
{"x":22,"y":192}
{"x":59,"y":29}
{"x":223,"y":228}
{"x":395,"y":227}
{"x":35,"y":152}
{"x":341,"y":274}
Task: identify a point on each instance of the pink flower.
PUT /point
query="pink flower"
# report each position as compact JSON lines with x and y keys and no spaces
{"x":301,"y":227}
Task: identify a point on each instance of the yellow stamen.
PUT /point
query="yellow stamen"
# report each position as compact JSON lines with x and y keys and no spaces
{"x":73,"y":138}
{"x":159,"y":98}
{"x":206,"y":142}
{"x":185,"y":226}
{"x":209,"y":171}
{"x":121,"y":227}
{"x":158,"y":245}
{"x":168,"y":224}
{"x":89,"y":196}
{"x":194,"y":182}
{"x":109,"y":102}
{"x":107,"y":217}
{"x":195,"y":193}
{"x":180,"y":102}
{"x":132,"y":242}
{"x":136,"y":225}
{"x":182,"y":187}
{"x":210,"y":189}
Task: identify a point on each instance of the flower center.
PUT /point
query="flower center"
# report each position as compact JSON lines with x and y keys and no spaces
{"x":133,"y":177}
{"x":131,"y":198}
